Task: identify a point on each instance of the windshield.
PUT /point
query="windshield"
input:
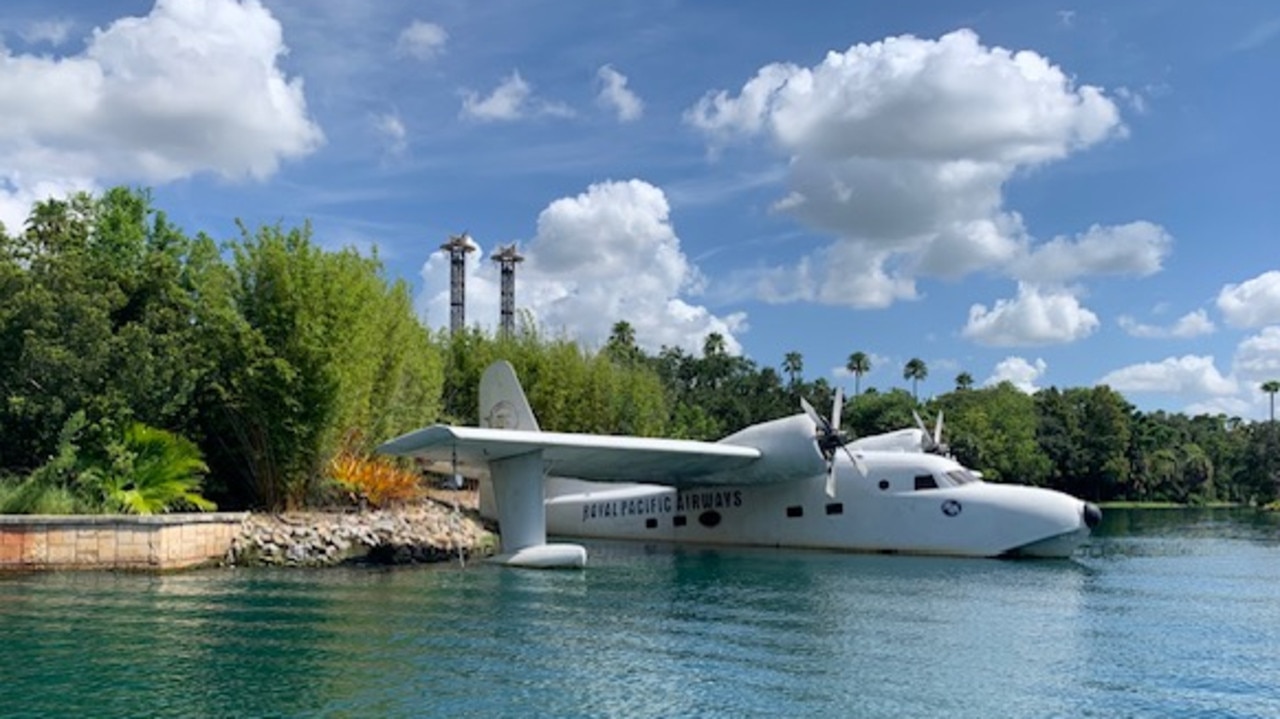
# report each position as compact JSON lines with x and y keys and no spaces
{"x":961,"y":476}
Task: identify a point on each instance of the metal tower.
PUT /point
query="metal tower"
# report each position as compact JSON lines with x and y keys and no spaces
{"x":507,"y":257}
{"x":458,"y":246}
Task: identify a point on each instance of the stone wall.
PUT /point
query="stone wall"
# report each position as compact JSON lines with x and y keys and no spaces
{"x":156,"y":542}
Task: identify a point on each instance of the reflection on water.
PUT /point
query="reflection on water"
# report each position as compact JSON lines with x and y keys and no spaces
{"x":1169,"y":613}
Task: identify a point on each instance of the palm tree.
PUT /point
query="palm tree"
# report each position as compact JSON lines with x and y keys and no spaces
{"x":915,"y":371}
{"x":859,"y":364}
{"x":793,"y":365}
{"x":964,"y":381}
{"x":1271,"y":387}
{"x":714,"y":345}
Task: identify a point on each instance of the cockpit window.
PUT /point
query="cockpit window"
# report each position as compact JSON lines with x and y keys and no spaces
{"x":961,"y":476}
{"x":925,"y":481}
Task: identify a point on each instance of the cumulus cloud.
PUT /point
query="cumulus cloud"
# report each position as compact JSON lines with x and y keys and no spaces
{"x":616,"y":96}
{"x":1019,"y":372}
{"x":1257,"y":358}
{"x":1192,"y":324}
{"x":607,"y":254}
{"x":904,"y":145}
{"x":1189,"y":376}
{"x":1137,"y":248}
{"x":189,"y":88}
{"x":1214,"y":406}
{"x":1252,"y":303}
{"x":511,"y":100}
{"x":423,"y":40}
{"x":1035,"y":317}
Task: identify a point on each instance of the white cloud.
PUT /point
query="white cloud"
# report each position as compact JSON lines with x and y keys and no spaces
{"x":506,"y":102}
{"x":1137,"y":248}
{"x":903,"y":146}
{"x":423,"y":40}
{"x":1019,"y":372}
{"x":605,"y":255}
{"x":391,"y":127}
{"x":1188,"y":376}
{"x":189,"y":88}
{"x":1257,"y":358}
{"x":53,"y":31}
{"x":615,"y":95}
{"x":1035,"y":317}
{"x":1192,"y":324}
{"x":849,"y":273}
{"x":1214,"y":406}
{"x":1252,"y":303}
{"x":511,"y":100}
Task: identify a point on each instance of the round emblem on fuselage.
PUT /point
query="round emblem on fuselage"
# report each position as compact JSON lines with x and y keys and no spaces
{"x":951,"y":507}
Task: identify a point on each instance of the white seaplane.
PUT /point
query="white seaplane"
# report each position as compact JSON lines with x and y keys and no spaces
{"x":791,"y":482}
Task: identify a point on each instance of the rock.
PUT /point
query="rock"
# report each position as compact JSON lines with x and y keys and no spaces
{"x":428,"y":532}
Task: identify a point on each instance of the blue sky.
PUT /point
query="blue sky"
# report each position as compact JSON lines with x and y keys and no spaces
{"x":1060,"y":193}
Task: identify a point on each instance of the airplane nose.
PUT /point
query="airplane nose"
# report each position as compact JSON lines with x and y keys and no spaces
{"x":1092,"y":515}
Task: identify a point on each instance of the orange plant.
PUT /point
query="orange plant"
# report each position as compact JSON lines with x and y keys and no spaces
{"x":376,"y":480}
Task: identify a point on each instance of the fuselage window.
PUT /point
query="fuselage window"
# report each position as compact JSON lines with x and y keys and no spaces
{"x":835,"y":508}
{"x":679,"y":520}
{"x":651,"y":523}
{"x":884,"y":484}
{"x":795,"y":511}
{"x":925,"y":481}
{"x":709,"y":518}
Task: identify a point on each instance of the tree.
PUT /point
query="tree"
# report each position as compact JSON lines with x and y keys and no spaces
{"x":859,"y":364}
{"x":1271,"y":387}
{"x":915,"y":370}
{"x":793,"y":365}
{"x":964,"y":381}
{"x":621,"y":346}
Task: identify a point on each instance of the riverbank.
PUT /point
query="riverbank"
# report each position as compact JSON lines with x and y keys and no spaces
{"x":442,"y":526}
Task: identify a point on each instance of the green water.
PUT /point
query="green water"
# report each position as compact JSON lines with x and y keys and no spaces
{"x":1167,"y":614}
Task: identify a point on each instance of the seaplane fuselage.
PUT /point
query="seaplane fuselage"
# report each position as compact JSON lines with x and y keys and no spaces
{"x":910,"y":503}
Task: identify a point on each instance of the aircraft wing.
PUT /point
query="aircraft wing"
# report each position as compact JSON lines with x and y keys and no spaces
{"x":593,"y":457}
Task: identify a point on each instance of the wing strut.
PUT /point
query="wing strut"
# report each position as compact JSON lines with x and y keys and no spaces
{"x":522,"y":519}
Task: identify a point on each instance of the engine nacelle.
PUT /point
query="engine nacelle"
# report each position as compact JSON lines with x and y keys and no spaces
{"x":788,"y":450}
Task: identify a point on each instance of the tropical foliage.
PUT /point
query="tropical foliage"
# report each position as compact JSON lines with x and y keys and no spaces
{"x":133,"y":357}
{"x":376,"y":481}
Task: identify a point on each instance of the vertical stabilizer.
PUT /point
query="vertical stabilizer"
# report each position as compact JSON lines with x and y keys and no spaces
{"x":502,"y":401}
{"x":514,"y":491}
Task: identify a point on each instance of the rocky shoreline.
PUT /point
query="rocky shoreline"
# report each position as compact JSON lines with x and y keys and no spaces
{"x":426,"y":532}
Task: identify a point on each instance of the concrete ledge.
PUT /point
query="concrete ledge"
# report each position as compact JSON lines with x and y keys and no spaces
{"x":116,"y":541}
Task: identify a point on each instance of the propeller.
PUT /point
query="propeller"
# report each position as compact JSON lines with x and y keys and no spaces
{"x":830,"y":439}
{"x":931,"y":443}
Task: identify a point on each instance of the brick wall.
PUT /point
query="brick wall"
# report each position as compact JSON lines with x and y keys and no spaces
{"x":168,"y":541}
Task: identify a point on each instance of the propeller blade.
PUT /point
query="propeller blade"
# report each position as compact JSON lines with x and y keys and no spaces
{"x":857,"y":460}
{"x":837,"y":404}
{"x":925,"y":437}
{"x":937,"y":430}
{"x":831,"y":480}
{"x":813,"y":415}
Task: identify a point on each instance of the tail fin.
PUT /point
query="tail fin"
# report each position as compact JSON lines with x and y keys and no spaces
{"x":502,"y":401}
{"x":502,"y":406}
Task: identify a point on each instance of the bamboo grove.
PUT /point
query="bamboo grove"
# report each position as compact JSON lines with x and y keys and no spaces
{"x":142,"y":369}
